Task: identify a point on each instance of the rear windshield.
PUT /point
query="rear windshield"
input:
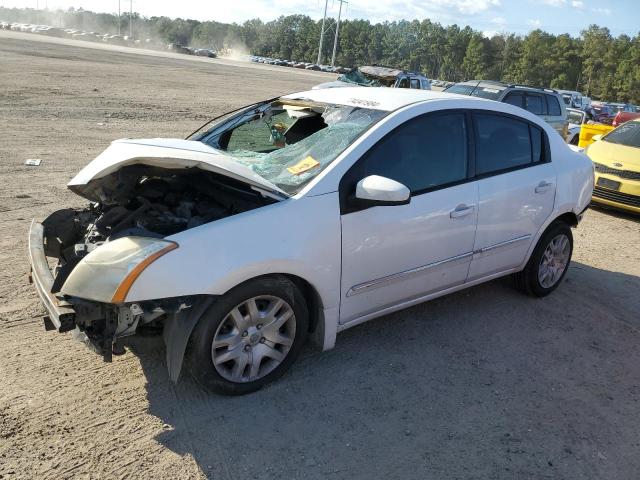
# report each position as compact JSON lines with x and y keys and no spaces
{"x":461,"y":89}
{"x":627,"y":134}
{"x":491,"y":93}
{"x":483,"y":91}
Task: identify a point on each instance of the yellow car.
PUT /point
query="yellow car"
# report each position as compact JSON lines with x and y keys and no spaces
{"x":616,"y":158}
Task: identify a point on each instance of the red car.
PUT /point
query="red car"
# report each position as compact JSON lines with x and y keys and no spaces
{"x":622,"y":117}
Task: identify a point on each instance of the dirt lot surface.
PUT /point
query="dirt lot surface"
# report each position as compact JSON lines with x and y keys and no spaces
{"x":483,"y":384}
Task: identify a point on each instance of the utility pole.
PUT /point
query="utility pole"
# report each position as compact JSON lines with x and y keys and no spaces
{"x":118,"y":17}
{"x":324,"y":19}
{"x":130,"y":19}
{"x":335,"y":40}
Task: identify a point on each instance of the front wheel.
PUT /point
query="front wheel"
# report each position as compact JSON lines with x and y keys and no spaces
{"x":549,"y":262}
{"x":249,"y":337}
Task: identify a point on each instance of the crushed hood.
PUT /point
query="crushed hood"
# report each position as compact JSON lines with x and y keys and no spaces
{"x":164,"y":153}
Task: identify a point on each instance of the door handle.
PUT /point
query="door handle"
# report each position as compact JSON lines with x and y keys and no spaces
{"x":462,"y":211}
{"x":543,"y":187}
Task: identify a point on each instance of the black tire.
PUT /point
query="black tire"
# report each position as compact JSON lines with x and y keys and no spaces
{"x":527,"y":281}
{"x":198,"y":357}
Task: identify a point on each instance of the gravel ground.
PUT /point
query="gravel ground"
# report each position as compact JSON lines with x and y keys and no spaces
{"x":482,"y":384}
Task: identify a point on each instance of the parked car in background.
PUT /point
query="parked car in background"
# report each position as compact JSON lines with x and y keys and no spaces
{"x":601,"y":113}
{"x":544,"y":102}
{"x":624,"y":116}
{"x":576,"y":118}
{"x":622,"y":107}
{"x":205,"y":52}
{"x":572,"y":99}
{"x":368,"y":201}
{"x":375,"y":76}
{"x":616,"y":159}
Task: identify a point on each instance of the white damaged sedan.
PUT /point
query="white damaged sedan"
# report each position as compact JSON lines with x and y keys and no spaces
{"x":302,"y":216}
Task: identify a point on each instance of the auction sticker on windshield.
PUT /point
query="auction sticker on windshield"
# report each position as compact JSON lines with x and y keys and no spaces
{"x":303,"y":165}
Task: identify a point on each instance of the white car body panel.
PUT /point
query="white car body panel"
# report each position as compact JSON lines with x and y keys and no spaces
{"x":394,"y":254}
{"x":306,"y":235}
{"x":513,"y":207}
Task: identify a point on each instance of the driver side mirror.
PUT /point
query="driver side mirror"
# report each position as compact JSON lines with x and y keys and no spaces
{"x":376,"y":190}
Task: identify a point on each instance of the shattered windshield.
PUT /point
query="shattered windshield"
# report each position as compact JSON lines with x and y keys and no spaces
{"x":359,"y":78}
{"x":290,"y":143}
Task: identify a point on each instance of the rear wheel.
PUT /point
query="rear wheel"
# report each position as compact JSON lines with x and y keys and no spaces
{"x":548,"y":263}
{"x":249,"y":337}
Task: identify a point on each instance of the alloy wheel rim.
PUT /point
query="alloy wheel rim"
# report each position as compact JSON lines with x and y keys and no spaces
{"x":554,"y":261}
{"x":253,"y":339}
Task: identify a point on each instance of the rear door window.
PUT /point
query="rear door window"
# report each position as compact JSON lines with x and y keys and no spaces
{"x":535,"y":104}
{"x":415,"y":83}
{"x":515,"y":98}
{"x":554,"y":106}
{"x":502,"y":143}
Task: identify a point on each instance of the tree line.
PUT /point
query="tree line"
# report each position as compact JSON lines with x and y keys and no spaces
{"x":596,"y":63}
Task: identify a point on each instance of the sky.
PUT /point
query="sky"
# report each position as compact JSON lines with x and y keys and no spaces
{"x":489,"y":16}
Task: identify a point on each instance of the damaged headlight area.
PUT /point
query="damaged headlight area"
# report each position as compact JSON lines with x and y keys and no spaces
{"x":107,"y":273}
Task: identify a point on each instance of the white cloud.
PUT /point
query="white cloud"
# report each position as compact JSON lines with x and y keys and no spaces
{"x":603,"y":11}
{"x":467,"y":6}
{"x":499,"y":20}
{"x":534,"y":23}
{"x":491,"y":33}
{"x":577,"y":4}
{"x":555,"y":3}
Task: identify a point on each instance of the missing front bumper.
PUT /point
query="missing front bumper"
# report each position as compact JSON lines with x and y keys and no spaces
{"x":60,"y":314}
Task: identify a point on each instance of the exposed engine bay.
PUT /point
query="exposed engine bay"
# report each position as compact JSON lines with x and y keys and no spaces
{"x":141,"y":201}
{"x":145,"y":201}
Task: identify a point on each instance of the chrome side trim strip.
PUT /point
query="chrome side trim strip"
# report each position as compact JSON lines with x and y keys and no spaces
{"x":502,"y":244}
{"x":366,"y":286}
{"x":379,"y":282}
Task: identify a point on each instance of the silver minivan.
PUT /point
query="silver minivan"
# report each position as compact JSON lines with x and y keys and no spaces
{"x":544,"y":102}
